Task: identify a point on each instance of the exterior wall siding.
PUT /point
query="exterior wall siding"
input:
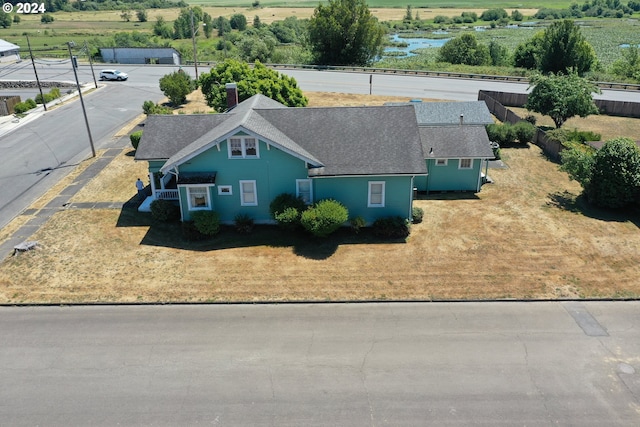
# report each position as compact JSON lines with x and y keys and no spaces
{"x":353,"y":193}
{"x":275,"y":172}
{"x":450,"y":177}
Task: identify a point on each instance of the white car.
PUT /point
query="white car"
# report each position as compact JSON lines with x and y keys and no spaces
{"x":113,"y":75}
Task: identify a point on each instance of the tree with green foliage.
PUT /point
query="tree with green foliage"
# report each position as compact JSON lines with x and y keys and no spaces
{"x":498,"y":53}
{"x":125,"y":15}
{"x":182,"y":25}
{"x":629,"y":65}
{"x":223,"y":25}
{"x":527,"y":55}
{"x":207,"y":23}
{"x":254,"y":48}
{"x":250,"y":81}
{"x":344,"y":32}
{"x":238,"y":22}
{"x":141,"y":14}
{"x":562,"y":97}
{"x":494,"y":15}
{"x":615,"y":180}
{"x":162,"y":28}
{"x":47,"y":18}
{"x":256,"y":22}
{"x":176,"y":86}
{"x":5,"y":20}
{"x":517,"y":16}
{"x":563,"y":48}
{"x":610,"y":178}
{"x":577,"y":161}
{"x":465,"y":49}
{"x":16,"y":18}
{"x":408,"y":16}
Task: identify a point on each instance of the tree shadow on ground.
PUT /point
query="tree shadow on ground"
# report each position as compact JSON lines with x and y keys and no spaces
{"x":173,"y":235}
{"x":568,"y":201}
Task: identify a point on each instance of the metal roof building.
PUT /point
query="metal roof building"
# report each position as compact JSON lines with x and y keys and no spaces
{"x":140,"y":55}
{"x":9,"y":51}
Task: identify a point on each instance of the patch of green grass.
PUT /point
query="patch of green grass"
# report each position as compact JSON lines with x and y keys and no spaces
{"x":457,"y":4}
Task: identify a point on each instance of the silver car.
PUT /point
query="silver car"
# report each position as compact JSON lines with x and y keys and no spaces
{"x":113,"y":75}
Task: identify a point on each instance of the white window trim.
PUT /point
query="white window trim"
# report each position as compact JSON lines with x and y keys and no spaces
{"x":446,"y":161}
{"x":243,"y":147}
{"x":380,"y":205}
{"x":221,"y":191}
{"x":298,"y":181}
{"x":207,"y":196}
{"x":255,"y":193}
{"x":470,"y":164}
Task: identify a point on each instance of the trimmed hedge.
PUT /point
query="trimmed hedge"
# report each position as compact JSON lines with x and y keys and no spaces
{"x":206,"y":222}
{"x":324,"y":217}
{"x":135,"y":139}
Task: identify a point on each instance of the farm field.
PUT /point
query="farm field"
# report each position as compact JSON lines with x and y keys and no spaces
{"x":528,"y":235}
{"x":402,"y":4}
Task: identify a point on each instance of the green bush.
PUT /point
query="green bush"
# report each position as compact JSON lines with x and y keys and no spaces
{"x":391,"y":227}
{"x":324,"y":217}
{"x":286,"y":209}
{"x":150,"y":107}
{"x":243,"y":223}
{"x":289,"y":218}
{"x":135,"y":139}
{"x":24,"y":106}
{"x":357,"y":223}
{"x":164,"y":210}
{"x":565,"y":136}
{"x":207,"y":222}
{"x":524,"y":131}
{"x":417,"y":214}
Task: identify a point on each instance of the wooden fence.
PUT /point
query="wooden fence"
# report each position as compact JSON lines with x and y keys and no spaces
{"x":7,"y":103}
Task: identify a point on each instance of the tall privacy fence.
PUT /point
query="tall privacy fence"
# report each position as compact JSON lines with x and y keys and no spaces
{"x":497,"y":102}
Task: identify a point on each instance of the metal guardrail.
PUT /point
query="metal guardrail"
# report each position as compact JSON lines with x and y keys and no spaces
{"x":448,"y":74}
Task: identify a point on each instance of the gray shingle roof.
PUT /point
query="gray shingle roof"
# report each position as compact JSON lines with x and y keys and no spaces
{"x":448,"y":113}
{"x":335,"y":141}
{"x":355,"y":140}
{"x":455,"y":142}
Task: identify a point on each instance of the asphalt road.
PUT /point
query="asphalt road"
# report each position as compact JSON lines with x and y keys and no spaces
{"x":36,"y":155}
{"x":528,"y":364}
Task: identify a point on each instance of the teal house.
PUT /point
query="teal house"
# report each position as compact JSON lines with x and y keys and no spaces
{"x":455,"y":143}
{"x":371,"y":159}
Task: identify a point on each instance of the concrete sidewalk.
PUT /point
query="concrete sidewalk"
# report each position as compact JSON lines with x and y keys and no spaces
{"x":62,"y":200}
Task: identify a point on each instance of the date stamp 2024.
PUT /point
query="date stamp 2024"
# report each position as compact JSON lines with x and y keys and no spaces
{"x":24,"y":8}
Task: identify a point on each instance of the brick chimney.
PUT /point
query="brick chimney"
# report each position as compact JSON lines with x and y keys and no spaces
{"x":232,"y":94}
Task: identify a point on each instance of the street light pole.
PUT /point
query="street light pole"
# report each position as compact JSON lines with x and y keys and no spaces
{"x":84,"y":111}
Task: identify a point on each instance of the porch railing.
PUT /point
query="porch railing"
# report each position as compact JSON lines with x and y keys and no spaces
{"x":167,"y":194}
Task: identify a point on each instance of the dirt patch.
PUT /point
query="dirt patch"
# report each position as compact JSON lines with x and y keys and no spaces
{"x":528,"y":235}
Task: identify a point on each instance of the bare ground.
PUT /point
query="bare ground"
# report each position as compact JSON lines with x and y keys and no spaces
{"x":528,"y":235}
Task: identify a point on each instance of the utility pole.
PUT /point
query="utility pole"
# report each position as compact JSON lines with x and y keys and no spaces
{"x":84,"y":111}
{"x":93,"y":74}
{"x":193,"y":39}
{"x":44,"y":104}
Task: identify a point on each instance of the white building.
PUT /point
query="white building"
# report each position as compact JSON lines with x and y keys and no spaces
{"x":9,"y":51}
{"x":140,"y":55}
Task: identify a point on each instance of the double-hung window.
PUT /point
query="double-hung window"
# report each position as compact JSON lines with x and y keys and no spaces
{"x":198,"y":198}
{"x":466,"y":163}
{"x":243,"y":147}
{"x":304,"y":191}
{"x":375,"y":198}
{"x":248,"y":193}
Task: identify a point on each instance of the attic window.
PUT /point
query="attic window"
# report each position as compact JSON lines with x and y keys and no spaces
{"x":243,"y":147}
{"x":441,"y":162}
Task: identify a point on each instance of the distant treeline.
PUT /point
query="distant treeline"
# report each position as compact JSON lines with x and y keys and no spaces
{"x":593,"y":8}
{"x":73,"y":6}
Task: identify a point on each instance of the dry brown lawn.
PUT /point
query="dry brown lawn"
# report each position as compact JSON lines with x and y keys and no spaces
{"x":528,"y":235}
